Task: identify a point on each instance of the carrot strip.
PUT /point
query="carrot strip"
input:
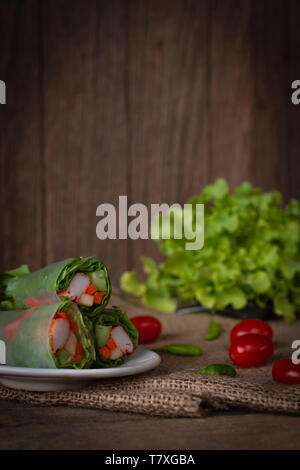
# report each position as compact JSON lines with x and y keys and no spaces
{"x":78,"y":353}
{"x":73,"y":324}
{"x":63,"y":293}
{"x":91,"y":289}
{"x":98,"y":296}
{"x":104,"y":352}
{"x":51,"y":334}
{"x":62,"y":315}
{"x":111,"y":344}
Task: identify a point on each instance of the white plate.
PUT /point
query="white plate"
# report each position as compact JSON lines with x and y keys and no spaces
{"x":25,"y":378}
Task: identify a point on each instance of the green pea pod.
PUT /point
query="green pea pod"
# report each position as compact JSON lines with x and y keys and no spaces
{"x":214,"y":330}
{"x":181,"y":349}
{"x":217,"y":369}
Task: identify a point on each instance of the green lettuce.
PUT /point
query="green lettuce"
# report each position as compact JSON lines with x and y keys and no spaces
{"x":251,"y":253}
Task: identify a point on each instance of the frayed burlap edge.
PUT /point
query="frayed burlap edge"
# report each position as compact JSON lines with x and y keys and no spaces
{"x":219,"y":392}
{"x":151,"y":402}
{"x":175,"y":394}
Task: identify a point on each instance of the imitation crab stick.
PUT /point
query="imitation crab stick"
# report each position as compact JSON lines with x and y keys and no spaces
{"x":59,"y":333}
{"x":78,"y":285}
{"x":122,"y":339}
{"x":61,"y":337}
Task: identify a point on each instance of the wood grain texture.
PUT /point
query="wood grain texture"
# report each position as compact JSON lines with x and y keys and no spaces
{"x":271,"y":98}
{"x":230,"y":90}
{"x":167,"y":105}
{"x":293,"y":114}
{"x":22,"y":188}
{"x":152,"y":100}
{"x":65,"y":428}
{"x":85,"y":125}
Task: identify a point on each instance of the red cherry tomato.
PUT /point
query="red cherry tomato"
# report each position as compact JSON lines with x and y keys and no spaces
{"x":251,"y":350}
{"x":245,"y":327}
{"x":285,"y":372}
{"x":149,"y":328}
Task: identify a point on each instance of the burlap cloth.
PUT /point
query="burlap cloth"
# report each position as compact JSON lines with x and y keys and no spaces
{"x":171,"y":389}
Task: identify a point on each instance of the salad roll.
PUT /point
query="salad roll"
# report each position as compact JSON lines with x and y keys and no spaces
{"x":47,"y":336}
{"x":85,"y":281}
{"x":114,"y":335}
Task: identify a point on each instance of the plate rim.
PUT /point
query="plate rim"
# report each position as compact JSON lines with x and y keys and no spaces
{"x":85,"y":374}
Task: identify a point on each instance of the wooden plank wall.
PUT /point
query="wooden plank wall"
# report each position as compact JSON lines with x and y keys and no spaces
{"x":150,"y":99}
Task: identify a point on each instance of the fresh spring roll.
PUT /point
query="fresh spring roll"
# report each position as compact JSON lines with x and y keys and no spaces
{"x":114,"y":335}
{"x":83,"y":280}
{"x":47,"y":336}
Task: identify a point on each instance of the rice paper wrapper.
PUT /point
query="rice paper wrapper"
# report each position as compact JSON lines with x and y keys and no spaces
{"x":19,"y":290}
{"x":26,"y":336}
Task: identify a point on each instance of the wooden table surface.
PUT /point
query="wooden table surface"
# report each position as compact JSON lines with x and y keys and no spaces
{"x":25,"y":426}
{"x":152,"y":100}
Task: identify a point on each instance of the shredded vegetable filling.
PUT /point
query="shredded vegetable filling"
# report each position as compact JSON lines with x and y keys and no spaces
{"x":85,"y":289}
{"x":64,"y":341}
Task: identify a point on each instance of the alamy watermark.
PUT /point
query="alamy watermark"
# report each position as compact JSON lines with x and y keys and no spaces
{"x":296,"y":354}
{"x":2,"y":92}
{"x":295,"y":97}
{"x":165,"y":222}
{"x":2,"y":352}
